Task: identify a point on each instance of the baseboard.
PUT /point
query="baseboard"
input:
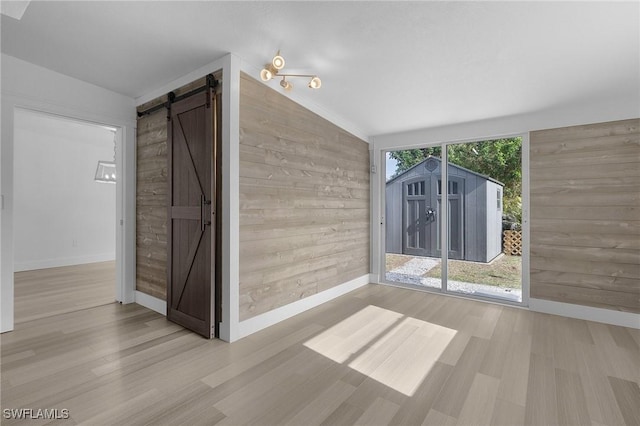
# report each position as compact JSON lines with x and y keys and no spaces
{"x":589,"y":313}
{"x":67,"y":261}
{"x":277,"y":315}
{"x":153,"y":303}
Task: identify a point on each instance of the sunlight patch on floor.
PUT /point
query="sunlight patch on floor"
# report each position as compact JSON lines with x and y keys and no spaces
{"x":391,"y":348}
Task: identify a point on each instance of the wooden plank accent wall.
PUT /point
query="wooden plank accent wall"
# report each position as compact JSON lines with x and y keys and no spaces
{"x":151,"y":197}
{"x":151,"y":205}
{"x":585,"y":215}
{"x":304,"y":201}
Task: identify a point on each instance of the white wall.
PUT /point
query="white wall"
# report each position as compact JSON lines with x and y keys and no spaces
{"x":62,"y":215}
{"x":27,"y":86}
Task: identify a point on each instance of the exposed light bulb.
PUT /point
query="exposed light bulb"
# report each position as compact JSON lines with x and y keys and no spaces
{"x":266,"y":74}
{"x":286,"y":85}
{"x":278,"y":61}
{"x":315,"y":83}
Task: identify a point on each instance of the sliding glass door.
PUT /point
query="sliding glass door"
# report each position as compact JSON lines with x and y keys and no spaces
{"x":477,"y":215}
{"x":412,"y":231}
{"x":485,"y":218}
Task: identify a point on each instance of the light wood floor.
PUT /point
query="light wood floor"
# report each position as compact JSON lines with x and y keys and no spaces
{"x":52,"y":291}
{"x":379,"y":355}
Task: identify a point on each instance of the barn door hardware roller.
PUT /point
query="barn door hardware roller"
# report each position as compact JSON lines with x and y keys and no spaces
{"x":211,"y":83}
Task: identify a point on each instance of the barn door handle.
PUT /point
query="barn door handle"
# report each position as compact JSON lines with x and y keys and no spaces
{"x":203,"y":207}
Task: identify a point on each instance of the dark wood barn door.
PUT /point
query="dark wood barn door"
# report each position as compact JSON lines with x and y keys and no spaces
{"x":191,"y":236}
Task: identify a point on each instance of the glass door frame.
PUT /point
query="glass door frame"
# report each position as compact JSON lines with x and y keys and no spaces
{"x":444,"y":222}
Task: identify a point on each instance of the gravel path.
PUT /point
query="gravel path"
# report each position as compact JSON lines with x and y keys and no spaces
{"x":417,"y":266}
{"x":412,"y":271}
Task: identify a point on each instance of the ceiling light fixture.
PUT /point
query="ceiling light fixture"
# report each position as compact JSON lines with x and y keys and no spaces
{"x":272,"y":70}
{"x":315,"y":83}
{"x":285,"y":84}
{"x":278,"y":61}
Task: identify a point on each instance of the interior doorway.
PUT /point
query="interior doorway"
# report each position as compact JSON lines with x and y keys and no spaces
{"x":483,"y":223}
{"x":65,"y":214}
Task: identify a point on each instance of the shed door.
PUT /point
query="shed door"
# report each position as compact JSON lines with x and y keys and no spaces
{"x":419,"y":218}
{"x":456,"y":217}
{"x":190,"y":149}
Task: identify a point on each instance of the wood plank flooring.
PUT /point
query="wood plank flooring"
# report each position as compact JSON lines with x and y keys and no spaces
{"x":45,"y":292}
{"x":379,"y":355}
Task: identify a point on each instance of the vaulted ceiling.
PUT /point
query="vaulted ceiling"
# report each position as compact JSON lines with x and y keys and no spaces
{"x":385,"y":66}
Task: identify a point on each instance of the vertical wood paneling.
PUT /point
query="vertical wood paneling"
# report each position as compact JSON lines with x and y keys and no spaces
{"x":304,"y":202}
{"x":585,"y":215}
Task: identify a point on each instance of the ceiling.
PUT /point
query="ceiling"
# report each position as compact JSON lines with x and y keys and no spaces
{"x":385,"y":66}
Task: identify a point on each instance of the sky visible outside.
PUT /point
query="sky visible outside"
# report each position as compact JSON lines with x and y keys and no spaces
{"x":391,"y":166}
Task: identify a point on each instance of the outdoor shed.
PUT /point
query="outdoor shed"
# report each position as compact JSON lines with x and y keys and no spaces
{"x":413,"y":207}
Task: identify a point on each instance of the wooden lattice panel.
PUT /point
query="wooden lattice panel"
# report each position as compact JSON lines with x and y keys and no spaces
{"x":512,"y":243}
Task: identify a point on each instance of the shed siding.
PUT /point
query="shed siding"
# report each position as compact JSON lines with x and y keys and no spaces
{"x":476,"y":223}
{"x":494,"y":221}
{"x":585,"y":206}
{"x":475,"y":218}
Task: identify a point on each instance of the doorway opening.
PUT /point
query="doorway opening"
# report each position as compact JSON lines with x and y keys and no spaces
{"x":65,"y":215}
{"x":481,"y":223}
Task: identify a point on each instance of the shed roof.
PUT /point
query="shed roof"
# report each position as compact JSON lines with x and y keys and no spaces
{"x":450,"y":164}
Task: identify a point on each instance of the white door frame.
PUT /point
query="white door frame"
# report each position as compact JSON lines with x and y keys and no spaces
{"x":125,"y":198}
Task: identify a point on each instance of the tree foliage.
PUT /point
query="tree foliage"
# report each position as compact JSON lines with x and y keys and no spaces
{"x":500,"y":159}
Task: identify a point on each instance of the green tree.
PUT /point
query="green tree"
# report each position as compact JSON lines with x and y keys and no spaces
{"x":410,"y":157}
{"x":500,"y":159}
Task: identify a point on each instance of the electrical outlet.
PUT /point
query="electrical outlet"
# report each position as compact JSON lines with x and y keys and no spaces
{"x":74,"y":243}
{"x":373,"y":168}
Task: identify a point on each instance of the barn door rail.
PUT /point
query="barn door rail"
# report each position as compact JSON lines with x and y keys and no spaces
{"x":211,"y":83}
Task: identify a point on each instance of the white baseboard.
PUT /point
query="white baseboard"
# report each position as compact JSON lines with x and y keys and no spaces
{"x":589,"y":313}
{"x":153,"y":303}
{"x":67,"y":261}
{"x":267,"y":319}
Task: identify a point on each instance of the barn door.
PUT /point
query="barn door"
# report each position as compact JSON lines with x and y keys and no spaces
{"x":190,"y":296}
{"x":419,"y":218}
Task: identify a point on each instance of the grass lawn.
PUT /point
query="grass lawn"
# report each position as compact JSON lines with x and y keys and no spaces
{"x":394,"y":261}
{"x":504,"y":272}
